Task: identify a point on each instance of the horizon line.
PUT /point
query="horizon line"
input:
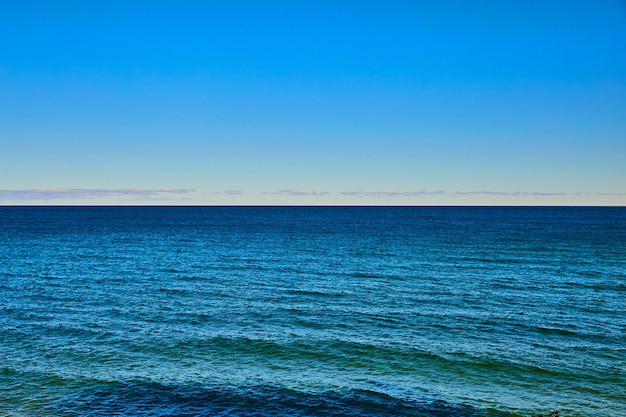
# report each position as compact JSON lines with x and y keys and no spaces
{"x":297,"y":206}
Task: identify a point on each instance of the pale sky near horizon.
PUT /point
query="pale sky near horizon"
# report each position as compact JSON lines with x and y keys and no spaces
{"x":313,"y":102}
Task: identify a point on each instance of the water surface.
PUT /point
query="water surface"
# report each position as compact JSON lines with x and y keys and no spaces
{"x":287,"y":311}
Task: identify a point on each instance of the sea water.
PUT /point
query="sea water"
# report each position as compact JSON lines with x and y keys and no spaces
{"x":316,"y":311}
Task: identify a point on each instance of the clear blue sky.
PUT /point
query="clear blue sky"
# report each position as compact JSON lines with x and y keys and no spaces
{"x":313,"y":102}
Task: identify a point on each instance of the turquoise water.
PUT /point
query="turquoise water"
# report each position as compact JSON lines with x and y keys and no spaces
{"x":285,"y":311}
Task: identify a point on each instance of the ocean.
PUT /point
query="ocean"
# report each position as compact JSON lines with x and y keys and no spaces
{"x":313,"y":311}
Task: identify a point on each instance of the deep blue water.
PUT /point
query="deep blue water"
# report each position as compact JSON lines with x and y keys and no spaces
{"x":286,"y":311}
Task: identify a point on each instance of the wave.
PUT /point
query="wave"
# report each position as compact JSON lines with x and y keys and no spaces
{"x":313,"y":293}
{"x":137,"y":398}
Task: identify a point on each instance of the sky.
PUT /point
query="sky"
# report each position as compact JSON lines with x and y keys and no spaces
{"x":313,"y":102}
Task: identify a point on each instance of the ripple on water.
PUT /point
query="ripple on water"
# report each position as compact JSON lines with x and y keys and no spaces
{"x":312,"y":311}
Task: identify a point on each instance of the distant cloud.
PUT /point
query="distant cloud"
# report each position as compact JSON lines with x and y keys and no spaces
{"x":233,"y":192}
{"x":300,"y":193}
{"x":78,"y":193}
{"x":538,"y":193}
{"x":510,"y":194}
{"x":391,"y":193}
{"x":484,"y":193}
{"x":407,"y":194}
